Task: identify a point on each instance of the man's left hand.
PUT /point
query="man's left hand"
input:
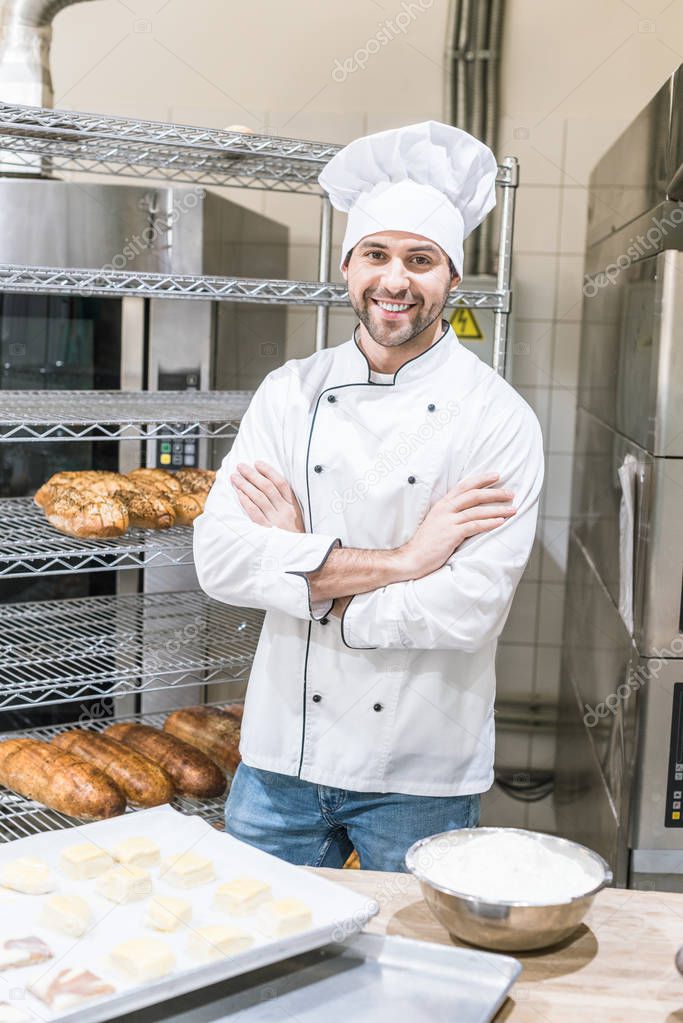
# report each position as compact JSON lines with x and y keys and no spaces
{"x":267,"y":497}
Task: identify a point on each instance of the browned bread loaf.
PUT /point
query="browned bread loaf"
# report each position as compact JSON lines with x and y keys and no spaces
{"x":148,"y":510}
{"x":212,"y":730}
{"x":81,"y":513}
{"x":187,"y":507}
{"x":95,"y":481}
{"x":143,"y":782}
{"x":191,"y":771}
{"x":156,"y":480}
{"x":59,"y":780}
{"x":195,"y":481}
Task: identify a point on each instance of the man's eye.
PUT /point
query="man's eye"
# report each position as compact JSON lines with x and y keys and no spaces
{"x":376,"y":253}
{"x":427,"y":261}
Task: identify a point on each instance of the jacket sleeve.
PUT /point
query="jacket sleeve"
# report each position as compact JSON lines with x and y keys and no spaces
{"x":465,"y":603}
{"x":242,"y":562}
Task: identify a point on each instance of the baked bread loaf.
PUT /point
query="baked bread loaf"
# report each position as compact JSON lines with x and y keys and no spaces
{"x":147,"y":510}
{"x":96,"y":481}
{"x":195,"y":481}
{"x":187,"y":507}
{"x":213,"y":730}
{"x":83,"y":513}
{"x":58,"y":779}
{"x":142,"y":781}
{"x":157,"y":481}
{"x":97,"y":503}
{"x":190,"y":770}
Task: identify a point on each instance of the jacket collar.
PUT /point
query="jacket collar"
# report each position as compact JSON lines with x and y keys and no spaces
{"x":428,"y":362}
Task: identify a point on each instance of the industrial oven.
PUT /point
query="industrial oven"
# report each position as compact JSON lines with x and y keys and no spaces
{"x":620,"y":743}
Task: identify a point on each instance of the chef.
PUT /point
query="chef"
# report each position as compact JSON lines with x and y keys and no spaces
{"x":380,"y":504}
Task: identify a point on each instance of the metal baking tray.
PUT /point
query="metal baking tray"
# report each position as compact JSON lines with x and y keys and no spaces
{"x":370,"y":978}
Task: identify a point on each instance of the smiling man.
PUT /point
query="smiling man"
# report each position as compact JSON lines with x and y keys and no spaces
{"x":380,"y":503}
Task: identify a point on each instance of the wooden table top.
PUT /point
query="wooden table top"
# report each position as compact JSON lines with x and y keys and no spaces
{"x":617,"y":968}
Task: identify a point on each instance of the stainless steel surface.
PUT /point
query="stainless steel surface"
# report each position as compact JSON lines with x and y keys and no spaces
{"x":504,"y":271}
{"x":324,"y":256}
{"x":370,"y":978}
{"x":119,"y":415}
{"x":25,"y":37}
{"x":657,"y":679}
{"x":597,"y":718}
{"x":56,"y":651}
{"x":504,"y":924}
{"x":631,"y":372}
{"x":641,"y":168}
{"x":616,"y":750}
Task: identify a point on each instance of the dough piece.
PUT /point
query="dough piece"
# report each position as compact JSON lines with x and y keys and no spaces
{"x":23,"y":952}
{"x":69,"y":914}
{"x":84,"y":861}
{"x":282,"y":917}
{"x":138,"y":850}
{"x":143,"y":958}
{"x":14,"y":1014}
{"x":26,"y":875}
{"x":207,"y":944}
{"x":167,"y":914}
{"x":63,"y":989}
{"x":125,"y":883}
{"x":241,"y":896}
{"x":186,"y":870}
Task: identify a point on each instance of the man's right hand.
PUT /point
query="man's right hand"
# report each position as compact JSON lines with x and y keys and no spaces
{"x":473,"y":506}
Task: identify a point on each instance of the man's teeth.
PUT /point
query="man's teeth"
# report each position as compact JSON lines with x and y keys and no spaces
{"x":392,"y":307}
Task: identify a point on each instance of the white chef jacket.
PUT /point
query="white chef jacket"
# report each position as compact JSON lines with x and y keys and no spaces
{"x":398,"y":696}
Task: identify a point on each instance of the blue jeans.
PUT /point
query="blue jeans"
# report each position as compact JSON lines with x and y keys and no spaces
{"x":318,"y":826}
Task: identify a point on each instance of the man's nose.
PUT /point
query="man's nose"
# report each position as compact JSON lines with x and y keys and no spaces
{"x":395,"y":277}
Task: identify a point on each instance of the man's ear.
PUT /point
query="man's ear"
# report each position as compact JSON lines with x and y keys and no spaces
{"x":455,"y":281}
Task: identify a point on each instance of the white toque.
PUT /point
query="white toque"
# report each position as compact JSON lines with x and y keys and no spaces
{"x":430,"y":179}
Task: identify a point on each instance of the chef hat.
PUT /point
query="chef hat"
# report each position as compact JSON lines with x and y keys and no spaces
{"x":430,"y":179}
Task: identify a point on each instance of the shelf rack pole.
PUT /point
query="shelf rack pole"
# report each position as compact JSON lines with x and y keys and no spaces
{"x":324,"y":262}
{"x":501,"y":317}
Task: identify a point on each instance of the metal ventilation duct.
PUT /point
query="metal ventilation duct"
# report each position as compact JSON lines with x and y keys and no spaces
{"x":472,"y":95}
{"x":25,"y":37}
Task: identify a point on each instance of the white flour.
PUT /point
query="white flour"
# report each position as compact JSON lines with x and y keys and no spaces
{"x":506,"y":867}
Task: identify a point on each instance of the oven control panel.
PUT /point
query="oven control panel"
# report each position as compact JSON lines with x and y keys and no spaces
{"x":674,"y":787}
{"x":179,"y":452}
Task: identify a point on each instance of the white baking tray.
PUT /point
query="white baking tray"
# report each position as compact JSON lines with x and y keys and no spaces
{"x":337,"y":913}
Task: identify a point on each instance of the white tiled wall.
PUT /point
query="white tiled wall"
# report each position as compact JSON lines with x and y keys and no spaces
{"x":572,"y":77}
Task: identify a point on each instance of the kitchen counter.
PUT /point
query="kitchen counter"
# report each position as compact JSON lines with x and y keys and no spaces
{"x":618,"y":968}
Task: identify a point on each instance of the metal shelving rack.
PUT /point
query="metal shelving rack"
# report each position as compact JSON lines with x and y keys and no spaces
{"x":58,"y":651}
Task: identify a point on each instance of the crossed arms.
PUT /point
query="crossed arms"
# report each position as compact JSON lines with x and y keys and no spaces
{"x":449,"y":587}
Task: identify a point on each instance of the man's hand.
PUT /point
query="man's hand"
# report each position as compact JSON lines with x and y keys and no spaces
{"x":473,"y":506}
{"x":267,"y":497}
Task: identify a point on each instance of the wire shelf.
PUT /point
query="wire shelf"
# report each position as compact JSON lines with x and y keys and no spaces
{"x":62,"y":651}
{"x":119,"y":415}
{"x":52,"y":280}
{"x":94,"y":143}
{"x":29,"y":545}
{"x":20,"y":817}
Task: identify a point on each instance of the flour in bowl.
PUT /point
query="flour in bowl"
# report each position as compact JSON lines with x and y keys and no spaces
{"x":508,"y":868}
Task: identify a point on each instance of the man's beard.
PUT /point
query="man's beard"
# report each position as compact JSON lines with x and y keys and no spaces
{"x":387,"y":334}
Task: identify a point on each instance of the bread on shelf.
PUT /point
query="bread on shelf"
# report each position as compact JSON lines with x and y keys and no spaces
{"x":58,"y":779}
{"x":96,"y":503}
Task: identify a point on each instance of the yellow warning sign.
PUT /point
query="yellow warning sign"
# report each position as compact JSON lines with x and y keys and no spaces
{"x":465,"y":325}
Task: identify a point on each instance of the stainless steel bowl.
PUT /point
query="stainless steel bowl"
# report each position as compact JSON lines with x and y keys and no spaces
{"x":495,"y":924}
